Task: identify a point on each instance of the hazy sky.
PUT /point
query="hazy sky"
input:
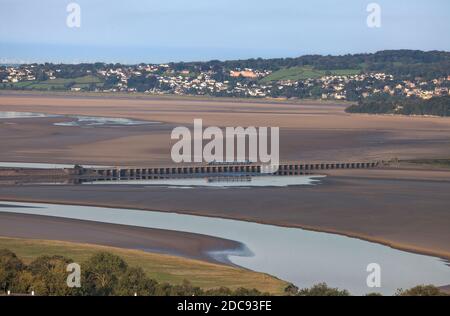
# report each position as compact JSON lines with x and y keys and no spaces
{"x":173,"y":30}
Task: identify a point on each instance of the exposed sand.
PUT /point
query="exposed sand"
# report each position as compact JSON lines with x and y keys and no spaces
{"x":309,"y":131}
{"x":192,"y":246}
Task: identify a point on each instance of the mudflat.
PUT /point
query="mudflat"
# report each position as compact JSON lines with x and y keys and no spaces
{"x":308,"y":130}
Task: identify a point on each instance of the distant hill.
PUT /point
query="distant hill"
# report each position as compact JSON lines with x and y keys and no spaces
{"x":408,"y":63}
{"x":403,"y":73}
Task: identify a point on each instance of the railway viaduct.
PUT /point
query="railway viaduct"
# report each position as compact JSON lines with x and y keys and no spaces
{"x":296,"y":168}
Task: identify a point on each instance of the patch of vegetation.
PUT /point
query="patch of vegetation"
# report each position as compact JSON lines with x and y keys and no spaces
{"x":421,"y":290}
{"x":106,"y":274}
{"x":161,"y":268}
{"x":386,"y":104}
{"x":320,"y":289}
{"x":102,"y":274}
{"x":84,"y":82}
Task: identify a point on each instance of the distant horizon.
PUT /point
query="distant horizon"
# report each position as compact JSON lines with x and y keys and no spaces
{"x":157,"y":31}
{"x":16,"y":62}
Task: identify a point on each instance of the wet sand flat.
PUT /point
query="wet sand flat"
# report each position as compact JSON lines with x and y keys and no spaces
{"x":308,"y":130}
{"x":187,"y":245}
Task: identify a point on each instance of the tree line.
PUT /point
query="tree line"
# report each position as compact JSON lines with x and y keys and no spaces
{"x":105,"y":274}
{"x":404,"y":64}
{"x":386,"y":104}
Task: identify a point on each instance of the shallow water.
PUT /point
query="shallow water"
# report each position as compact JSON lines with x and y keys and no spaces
{"x":15,"y":115}
{"x":220,"y":182}
{"x":37,"y":165}
{"x":102,"y":121}
{"x":78,"y":120}
{"x":299,"y":256}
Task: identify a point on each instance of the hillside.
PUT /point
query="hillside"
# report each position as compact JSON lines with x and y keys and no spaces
{"x":401,"y":73}
{"x":162,"y":268}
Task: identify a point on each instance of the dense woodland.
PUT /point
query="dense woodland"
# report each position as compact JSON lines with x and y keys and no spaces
{"x":386,"y":104}
{"x":105,"y":274}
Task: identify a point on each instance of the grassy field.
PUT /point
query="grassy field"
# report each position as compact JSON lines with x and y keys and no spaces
{"x":59,"y":83}
{"x":162,"y":268}
{"x":306,"y":72}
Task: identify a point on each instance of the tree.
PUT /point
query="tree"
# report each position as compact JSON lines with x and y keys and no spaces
{"x":291,"y":289}
{"x":184,"y":289}
{"x":25,"y":283}
{"x":374,"y":294}
{"x":421,"y":290}
{"x":51,"y":275}
{"x":101,"y":274}
{"x":322,"y":289}
{"x":134,"y":281}
{"x":384,"y":103}
{"x":10,"y":267}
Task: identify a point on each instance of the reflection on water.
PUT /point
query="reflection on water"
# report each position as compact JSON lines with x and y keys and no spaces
{"x":99,"y":121}
{"x":14,"y":115}
{"x":33,"y":165}
{"x":221,"y":181}
{"x":299,"y":256}
{"x":78,"y":120}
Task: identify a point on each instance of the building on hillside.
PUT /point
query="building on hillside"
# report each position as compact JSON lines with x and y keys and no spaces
{"x":244,"y":73}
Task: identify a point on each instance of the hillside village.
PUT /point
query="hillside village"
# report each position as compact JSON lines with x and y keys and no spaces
{"x":223,"y":80}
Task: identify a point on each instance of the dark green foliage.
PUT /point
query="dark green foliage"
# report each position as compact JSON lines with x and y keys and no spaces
{"x":49,"y":275}
{"x":142,"y":84}
{"x":102,"y":273}
{"x":385,"y":104}
{"x":134,"y":281}
{"x":374,"y":294}
{"x":10,"y":267}
{"x":322,"y":289}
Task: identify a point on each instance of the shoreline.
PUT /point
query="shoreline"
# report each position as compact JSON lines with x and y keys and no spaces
{"x":161,"y":267}
{"x":205,"y":98}
{"x":144,"y":96}
{"x":394,"y":245}
{"x":152,"y":240}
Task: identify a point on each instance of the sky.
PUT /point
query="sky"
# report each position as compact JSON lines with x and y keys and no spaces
{"x":155,"y":31}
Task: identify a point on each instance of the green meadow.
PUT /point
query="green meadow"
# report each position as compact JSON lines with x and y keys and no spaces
{"x":59,"y":83}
